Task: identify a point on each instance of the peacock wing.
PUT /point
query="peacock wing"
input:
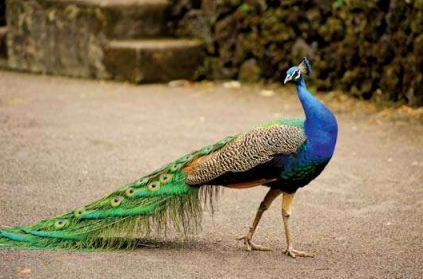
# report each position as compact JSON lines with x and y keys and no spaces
{"x":245,"y":152}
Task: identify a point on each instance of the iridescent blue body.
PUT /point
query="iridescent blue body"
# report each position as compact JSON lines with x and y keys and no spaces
{"x":321,"y":130}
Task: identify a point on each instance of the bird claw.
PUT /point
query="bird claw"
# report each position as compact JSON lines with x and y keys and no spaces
{"x":295,"y":253}
{"x":251,"y":246}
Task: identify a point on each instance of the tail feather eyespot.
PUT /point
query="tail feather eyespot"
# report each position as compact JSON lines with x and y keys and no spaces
{"x":154,"y":186}
{"x":175,"y":167}
{"x":129,"y":192}
{"x":166,"y":177}
{"x":185,"y":159}
{"x":61,"y":223}
{"x":116,"y":201}
{"x":78,"y":212}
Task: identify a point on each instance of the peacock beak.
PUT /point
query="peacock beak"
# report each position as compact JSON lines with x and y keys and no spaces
{"x":288,"y":78}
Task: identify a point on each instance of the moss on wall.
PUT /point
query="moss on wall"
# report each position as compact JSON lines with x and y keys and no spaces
{"x":357,"y":46}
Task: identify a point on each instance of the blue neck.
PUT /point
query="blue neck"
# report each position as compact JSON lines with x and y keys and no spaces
{"x":320,"y":125}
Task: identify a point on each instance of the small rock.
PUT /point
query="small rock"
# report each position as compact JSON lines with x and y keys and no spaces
{"x":390,"y":160}
{"x":266,"y":93}
{"x":178,"y":83}
{"x":234,"y":84}
{"x":415,"y":163}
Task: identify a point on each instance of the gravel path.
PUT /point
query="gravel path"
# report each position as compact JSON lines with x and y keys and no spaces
{"x":65,"y":142}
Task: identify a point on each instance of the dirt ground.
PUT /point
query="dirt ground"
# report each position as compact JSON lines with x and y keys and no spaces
{"x":65,"y":142}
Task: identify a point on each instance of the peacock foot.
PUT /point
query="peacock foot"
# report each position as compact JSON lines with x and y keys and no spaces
{"x":251,"y":246}
{"x":295,"y":253}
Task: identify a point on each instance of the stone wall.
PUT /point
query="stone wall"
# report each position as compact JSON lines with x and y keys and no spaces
{"x":42,"y":37}
{"x":361,"y":47}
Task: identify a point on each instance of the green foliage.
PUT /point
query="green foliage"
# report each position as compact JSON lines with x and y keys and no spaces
{"x":359,"y":47}
{"x":338,"y":3}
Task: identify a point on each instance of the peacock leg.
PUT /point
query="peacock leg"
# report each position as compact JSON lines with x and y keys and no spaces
{"x":264,"y":205}
{"x":286,"y":212}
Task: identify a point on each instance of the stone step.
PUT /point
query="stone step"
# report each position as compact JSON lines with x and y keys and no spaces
{"x":107,"y":39}
{"x":133,"y":19}
{"x":147,"y":61}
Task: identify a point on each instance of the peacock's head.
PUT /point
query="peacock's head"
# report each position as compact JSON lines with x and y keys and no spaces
{"x":295,"y":74}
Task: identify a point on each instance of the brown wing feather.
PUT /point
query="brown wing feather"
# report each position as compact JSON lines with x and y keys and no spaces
{"x":245,"y":152}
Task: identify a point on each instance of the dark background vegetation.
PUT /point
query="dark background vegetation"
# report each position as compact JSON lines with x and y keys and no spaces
{"x":2,"y":12}
{"x":364,"y":48}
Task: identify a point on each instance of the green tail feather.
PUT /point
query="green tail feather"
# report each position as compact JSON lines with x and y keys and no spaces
{"x":152,"y":203}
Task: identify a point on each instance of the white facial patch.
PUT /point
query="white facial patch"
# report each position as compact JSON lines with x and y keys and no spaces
{"x":298,"y":75}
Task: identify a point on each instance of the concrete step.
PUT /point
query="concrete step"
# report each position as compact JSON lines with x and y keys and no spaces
{"x":158,"y":60}
{"x":107,"y":39}
{"x":133,"y":19}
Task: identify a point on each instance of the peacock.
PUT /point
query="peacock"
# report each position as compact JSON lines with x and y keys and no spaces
{"x":283,"y":155}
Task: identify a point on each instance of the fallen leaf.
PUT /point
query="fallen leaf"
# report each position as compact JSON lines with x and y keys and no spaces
{"x":371,"y":122}
{"x":407,"y":109}
{"x":23,"y":270}
{"x":370,"y":108}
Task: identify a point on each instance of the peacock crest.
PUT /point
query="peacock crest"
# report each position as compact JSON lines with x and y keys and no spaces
{"x":305,"y":67}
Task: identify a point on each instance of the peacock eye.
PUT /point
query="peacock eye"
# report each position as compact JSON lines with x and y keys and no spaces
{"x":78,"y":212}
{"x":164,"y":178}
{"x":116,"y":201}
{"x":175,"y":167}
{"x":130,"y":192}
{"x":60,"y":224}
{"x":185,"y":159}
{"x":154,"y":186}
